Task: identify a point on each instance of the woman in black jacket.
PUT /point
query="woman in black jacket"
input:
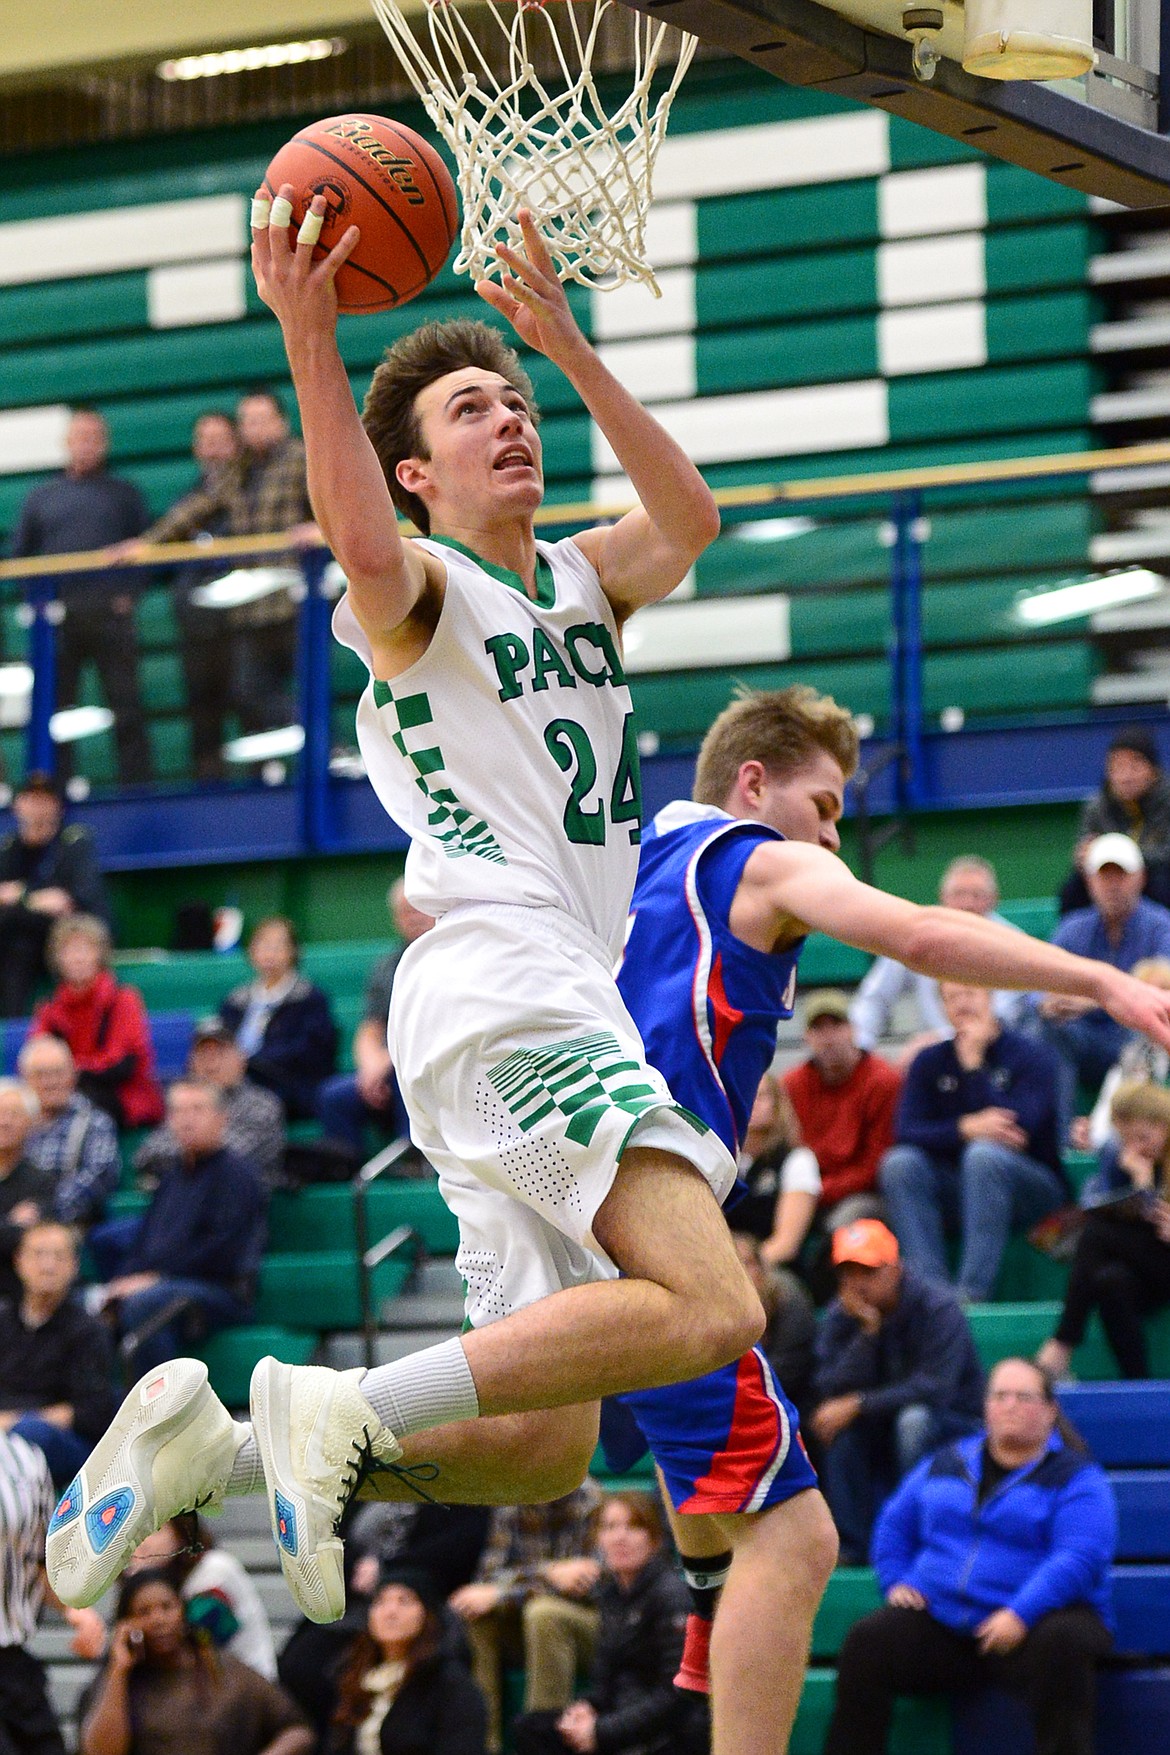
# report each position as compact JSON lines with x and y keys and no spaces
{"x":631,"y":1706}
{"x":398,"y":1691}
{"x":281,"y":1023}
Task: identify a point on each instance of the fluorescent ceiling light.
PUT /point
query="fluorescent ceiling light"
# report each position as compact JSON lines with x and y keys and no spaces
{"x":773,"y":529}
{"x":247,"y":585}
{"x":266,"y":746}
{"x":708,"y":632}
{"x":251,"y":60}
{"x":16,"y":681}
{"x":73,"y":723}
{"x":1067,"y":602}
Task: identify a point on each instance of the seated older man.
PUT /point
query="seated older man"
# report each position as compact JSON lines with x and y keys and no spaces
{"x":994,"y":1560}
{"x":1119,"y":927}
{"x":191,"y":1263}
{"x":56,"y":1362}
{"x":26,"y":1193}
{"x":74,"y":1142}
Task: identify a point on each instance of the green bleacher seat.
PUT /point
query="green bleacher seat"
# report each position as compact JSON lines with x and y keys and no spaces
{"x":316,"y":1217}
{"x":318,"y":1289}
{"x":921,"y":1727}
{"x":232,"y":1354}
{"x":418,"y":1204}
{"x":1037,"y":915}
{"x":1027,"y":1275}
{"x":1004,"y":1330}
{"x":852,"y":1592}
{"x":640,"y":1475}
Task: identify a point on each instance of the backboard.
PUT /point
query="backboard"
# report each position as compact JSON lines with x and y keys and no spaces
{"x":1099,"y":133}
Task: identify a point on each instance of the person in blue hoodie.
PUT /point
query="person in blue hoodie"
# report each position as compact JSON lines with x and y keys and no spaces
{"x":993,"y":1557}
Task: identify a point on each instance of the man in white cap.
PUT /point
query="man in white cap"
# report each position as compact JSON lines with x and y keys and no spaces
{"x":1121,"y":927}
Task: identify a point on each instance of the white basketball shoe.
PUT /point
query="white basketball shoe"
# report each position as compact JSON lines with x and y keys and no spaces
{"x":316,"y":1434}
{"x":170,"y":1449}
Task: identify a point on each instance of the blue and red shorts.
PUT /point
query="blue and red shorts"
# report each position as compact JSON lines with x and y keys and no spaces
{"x":727,"y":1442}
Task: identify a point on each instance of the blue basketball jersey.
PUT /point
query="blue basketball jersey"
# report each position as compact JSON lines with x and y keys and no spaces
{"x":706,"y":1004}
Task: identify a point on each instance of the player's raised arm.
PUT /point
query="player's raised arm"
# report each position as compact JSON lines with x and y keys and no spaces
{"x":789,"y":885}
{"x":348,"y":490}
{"x":648,"y":552}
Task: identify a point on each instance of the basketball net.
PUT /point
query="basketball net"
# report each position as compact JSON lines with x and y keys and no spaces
{"x":585,"y":174}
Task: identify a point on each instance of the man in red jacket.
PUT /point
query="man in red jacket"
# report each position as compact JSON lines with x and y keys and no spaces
{"x":845,"y":1098}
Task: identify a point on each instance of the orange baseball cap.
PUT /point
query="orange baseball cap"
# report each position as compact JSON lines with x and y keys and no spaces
{"x":867,"y":1242}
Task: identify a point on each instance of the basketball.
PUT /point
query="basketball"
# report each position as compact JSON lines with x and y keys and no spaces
{"x":385,"y":179}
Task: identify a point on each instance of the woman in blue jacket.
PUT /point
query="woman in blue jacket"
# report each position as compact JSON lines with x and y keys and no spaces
{"x":993,"y":1557}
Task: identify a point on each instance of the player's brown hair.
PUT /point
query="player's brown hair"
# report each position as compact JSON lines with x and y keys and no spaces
{"x":783,"y":729}
{"x":416,"y":360}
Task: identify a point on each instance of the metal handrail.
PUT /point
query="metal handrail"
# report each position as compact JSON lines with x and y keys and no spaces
{"x":870,"y":841}
{"x":371,"y":1256}
{"x":832,"y":487}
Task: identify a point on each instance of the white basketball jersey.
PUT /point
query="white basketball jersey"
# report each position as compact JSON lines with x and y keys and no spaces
{"x":507,"y":752}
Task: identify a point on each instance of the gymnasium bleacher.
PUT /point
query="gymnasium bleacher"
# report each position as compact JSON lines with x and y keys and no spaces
{"x":310,"y":1309}
{"x":842,"y":292}
{"x":898,"y":300}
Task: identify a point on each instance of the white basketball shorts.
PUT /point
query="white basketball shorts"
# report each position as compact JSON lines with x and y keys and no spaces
{"x":525,"y":1080}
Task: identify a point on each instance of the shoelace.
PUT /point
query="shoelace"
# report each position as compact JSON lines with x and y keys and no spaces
{"x":362,"y":1463}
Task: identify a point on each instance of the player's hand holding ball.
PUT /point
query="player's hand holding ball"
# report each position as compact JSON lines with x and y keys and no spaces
{"x":300,"y":291}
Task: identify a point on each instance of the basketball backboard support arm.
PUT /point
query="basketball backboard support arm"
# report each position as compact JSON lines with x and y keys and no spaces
{"x":1037,"y":126}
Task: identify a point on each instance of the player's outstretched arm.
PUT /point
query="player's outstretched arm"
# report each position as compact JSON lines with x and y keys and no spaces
{"x":789,"y":885}
{"x":348,"y":490}
{"x":648,"y":552}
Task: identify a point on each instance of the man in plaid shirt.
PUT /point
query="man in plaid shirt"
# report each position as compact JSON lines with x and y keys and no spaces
{"x":75,"y":1142}
{"x":531,"y":1601}
{"x":263,"y":491}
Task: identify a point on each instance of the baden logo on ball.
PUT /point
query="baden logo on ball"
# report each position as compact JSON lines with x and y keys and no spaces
{"x":388,"y":181}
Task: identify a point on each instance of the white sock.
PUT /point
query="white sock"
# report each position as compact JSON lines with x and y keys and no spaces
{"x":430,"y":1388}
{"x":247,"y":1474}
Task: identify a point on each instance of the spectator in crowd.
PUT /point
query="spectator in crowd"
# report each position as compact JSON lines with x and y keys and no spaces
{"x":85,"y":507}
{"x":56,"y":1366}
{"x":443,"y":1541}
{"x":281,"y":1023}
{"x":781,"y":1177}
{"x":102,"y":1023}
{"x":1140,"y":1062}
{"x":368,"y":1096}
{"x":1119,"y":927}
{"x":255,"y":1117}
{"x":47,"y":870}
{"x":978,"y":1147}
{"x":28,"y":1725}
{"x":400,"y":1691}
{"x":789,"y":1339}
{"x":74,"y":1141}
{"x":215,"y":446}
{"x":199,"y":1242}
{"x":1133,"y":800}
{"x":897,"y":1375}
{"x":845,"y":1098}
{"x":1121,"y":1265}
{"x":631,"y":1706}
{"x":26,"y":1193}
{"x":993,"y":1557}
{"x":970,"y":884}
{"x":265,"y":490}
{"x":532,"y":1601}
{"x":166,"y":1691}
{"x":219,"y":1597}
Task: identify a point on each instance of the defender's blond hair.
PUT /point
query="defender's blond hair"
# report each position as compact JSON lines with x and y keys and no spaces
{"x":416,"y":360}
{"x":783,"y":729}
